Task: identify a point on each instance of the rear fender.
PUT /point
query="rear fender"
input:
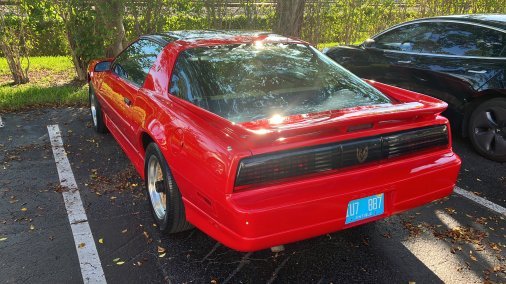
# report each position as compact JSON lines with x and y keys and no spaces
{"x":155,"y":130}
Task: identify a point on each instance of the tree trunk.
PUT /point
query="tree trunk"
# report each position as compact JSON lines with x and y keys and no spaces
{"x":148,"y":17}
{"x":79,"y":65}
{"x":19,"y":76}
{"x":119,"y":37}
{"x":12,"y":44}
{"x":112,"y":13}
{"x":289,"y":17}
{"x":137,"y":25}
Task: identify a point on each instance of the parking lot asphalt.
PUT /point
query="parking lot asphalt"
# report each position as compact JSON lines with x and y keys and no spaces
{"x":453,"y":240}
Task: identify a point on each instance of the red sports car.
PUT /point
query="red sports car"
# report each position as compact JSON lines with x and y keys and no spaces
{"x":260,"y":140}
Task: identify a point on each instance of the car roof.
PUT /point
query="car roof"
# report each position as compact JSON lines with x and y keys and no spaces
{"x":493,"y":20}
{"x":216,"y":36}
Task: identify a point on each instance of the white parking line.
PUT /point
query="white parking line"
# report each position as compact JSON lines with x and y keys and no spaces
{"x":91,"y":267}
{"x":480,"y":200}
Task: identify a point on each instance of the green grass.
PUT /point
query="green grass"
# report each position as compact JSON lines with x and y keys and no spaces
{"x":327,"y":44}
{"x":332,"y":44}
{"x":27,"y":96}
{"x":37,"y":63}
{"x":51,"y":85}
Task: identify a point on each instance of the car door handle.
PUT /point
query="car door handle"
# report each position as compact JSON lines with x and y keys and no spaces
{"x":404,"y":61}
{"x":477,"y":71}
{"x":127,"y":101}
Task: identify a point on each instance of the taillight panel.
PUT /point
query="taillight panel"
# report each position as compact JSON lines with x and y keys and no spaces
{"x":410,"y":141}
{"x":315,"y":159}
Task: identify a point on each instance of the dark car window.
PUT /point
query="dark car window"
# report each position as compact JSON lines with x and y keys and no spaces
{"x":181,"y":83}
{"x":133,"y":63}
{"x":409,"y":38}
{"x":469,"y":40}
{"x":246,"y":82}
{"x":493,"y":43}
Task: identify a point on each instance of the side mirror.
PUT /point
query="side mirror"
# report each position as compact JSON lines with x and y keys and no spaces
{"x":368,"y":43}
{"x":102,"y":66}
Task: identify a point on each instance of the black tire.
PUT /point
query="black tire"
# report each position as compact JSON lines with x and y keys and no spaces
{"x":174,"y":220}
{"x":98,"y":121}
{"x":487,"y":129}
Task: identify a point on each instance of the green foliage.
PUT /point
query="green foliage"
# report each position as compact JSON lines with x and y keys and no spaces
{"x":56,"y":25}
{"x":191,"y":22}
{"x":85,"y":37}
{"x":47,"y":31}
{"x":348,"y":21}
{"x":340,"y":21}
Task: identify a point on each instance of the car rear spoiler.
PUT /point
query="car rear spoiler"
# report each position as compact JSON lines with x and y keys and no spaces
{"x":406,"y":107}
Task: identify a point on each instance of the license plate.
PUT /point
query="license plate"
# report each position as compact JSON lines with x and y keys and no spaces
{"x":363,"y":208}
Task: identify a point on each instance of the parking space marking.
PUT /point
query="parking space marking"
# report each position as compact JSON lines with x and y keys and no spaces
{"x":480,"y":200}
{"x":89,"y":261}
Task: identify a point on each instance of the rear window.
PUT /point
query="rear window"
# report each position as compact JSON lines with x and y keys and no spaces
{"x":246,"y":82}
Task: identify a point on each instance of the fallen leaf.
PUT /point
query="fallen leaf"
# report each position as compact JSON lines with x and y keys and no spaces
{"x":24,"y":209}
{"x":120,"y":262}
{"x":32,"y":227}
{"x":473,"y":257}
{"x":124,"y":231}
{"x":81,"y":245}
{"x":101,"y":241}
{"x":3,"y":239}
{"x":161,"y":249}
{"x":116,"y":259}
{"x":162,"y":255}
{"x":146,"y":234}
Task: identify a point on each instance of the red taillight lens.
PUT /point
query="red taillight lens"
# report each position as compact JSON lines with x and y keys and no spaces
{"x":281,"y":165}
{"x":292,"y":163}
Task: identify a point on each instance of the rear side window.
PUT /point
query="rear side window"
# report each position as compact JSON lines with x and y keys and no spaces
{"x":469,"y":40}
{"x":184,"y":84}
{"x":410,"y":38}
{"x":133,"y":63}
{"x":493,"y":43}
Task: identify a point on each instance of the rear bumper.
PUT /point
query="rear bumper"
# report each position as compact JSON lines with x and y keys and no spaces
{"x":297,"y":210}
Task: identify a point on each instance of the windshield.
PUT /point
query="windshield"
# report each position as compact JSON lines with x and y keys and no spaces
{"x":246,"y":82}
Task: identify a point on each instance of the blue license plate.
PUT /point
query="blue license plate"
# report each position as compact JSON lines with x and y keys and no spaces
{"x":363,"y":208}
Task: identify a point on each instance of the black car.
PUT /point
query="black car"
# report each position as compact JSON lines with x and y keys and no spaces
{"x":459,"y":59}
